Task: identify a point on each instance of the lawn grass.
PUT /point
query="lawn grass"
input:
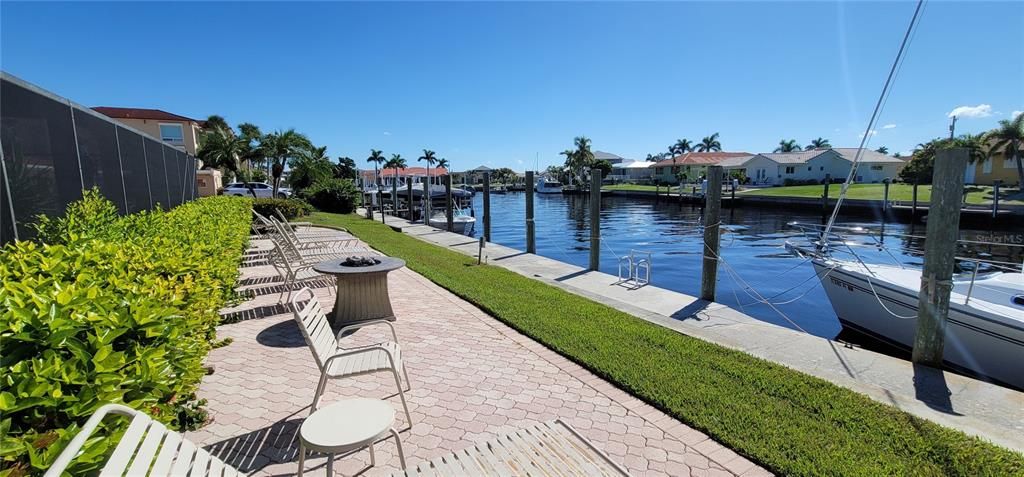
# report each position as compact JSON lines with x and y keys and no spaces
{"x":976,"y":195}
{"x":635,"y":187}
{"x":788,"y":422}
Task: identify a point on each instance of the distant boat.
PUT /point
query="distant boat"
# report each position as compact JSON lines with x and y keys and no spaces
{"x":548,"y":186}
{"x":499,"y":190}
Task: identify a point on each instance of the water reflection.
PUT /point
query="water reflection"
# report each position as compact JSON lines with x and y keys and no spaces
{"x":753,"y":245}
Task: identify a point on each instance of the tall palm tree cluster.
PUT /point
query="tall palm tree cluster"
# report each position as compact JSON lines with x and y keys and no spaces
{"x":221,"y":146}
{"x":1006,"y":139}
{"x":396,"y":162}
{"x":683,"y":146}
{"x":578,"y":160}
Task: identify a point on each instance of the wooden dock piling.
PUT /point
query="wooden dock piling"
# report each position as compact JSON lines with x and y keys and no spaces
{"x":942,"y":231}
{"x":426,"y":202}
{"x":487,"y":206}
{"x":712,"y":233}
{"x":913,"y":206}
{"x":531,"y":239}
{"x":595,"y":219}
{"x":408,"y":200}
{"x":824,"y":197}
{"x":449,"y":207}
{"x":995,"y":198}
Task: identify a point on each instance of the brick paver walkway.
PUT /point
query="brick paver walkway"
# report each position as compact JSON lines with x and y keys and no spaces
{"x":472,"y":378}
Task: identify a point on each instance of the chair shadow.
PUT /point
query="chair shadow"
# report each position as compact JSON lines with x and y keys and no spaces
{"x":282,"y":335}
{"x":930,"y":388}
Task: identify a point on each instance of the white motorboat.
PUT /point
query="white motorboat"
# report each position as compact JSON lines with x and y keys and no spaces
{"x":462,"y":221}
{"x":985,"y":325}
{"x":548,"y":186}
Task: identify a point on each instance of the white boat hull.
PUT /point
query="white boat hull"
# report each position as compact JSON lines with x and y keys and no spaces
{"x":981,"y":337}
{"x":461,"y":224}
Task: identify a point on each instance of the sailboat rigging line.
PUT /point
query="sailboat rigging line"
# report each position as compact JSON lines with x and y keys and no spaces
{"x":874,"y":117}
{"x":875,"y":293}
{"x":740,"y":281}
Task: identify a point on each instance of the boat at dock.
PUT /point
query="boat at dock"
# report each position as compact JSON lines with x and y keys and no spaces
{"x":462,"y":222}
{"x":548,"y":186}
{"x":985,"y":325}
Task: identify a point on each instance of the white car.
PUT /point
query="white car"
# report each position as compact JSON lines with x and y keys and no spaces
{"x":262,"y":189}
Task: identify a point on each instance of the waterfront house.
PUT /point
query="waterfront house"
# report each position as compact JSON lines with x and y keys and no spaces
{"x":387,"y":175}
{"x":631,"y":170}
{"x":999,"y":167}
{"x":691,"y":166}
{"x":801,"y":167}
{"x":472,"y":176}
{"x":611,"y":158}
{"x":179,"y":131}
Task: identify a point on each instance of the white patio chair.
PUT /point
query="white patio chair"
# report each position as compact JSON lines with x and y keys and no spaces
{"x":294,"y":268}
{"x":337,"y":361}
{"x":551,"y":448}
{"x":325,"y":246}
{"x":297,"y":226}
{"x":147,"y":447}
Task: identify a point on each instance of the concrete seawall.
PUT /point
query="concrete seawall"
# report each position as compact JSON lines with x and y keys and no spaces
{"x":991,"y":412}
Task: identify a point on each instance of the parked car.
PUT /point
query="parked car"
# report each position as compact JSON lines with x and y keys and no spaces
{"x":262,"y":189}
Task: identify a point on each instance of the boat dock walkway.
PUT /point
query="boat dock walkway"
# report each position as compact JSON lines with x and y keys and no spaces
{"x":992,"y":412}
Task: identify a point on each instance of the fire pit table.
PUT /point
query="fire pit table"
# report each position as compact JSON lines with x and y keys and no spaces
{"x":362,"y":288}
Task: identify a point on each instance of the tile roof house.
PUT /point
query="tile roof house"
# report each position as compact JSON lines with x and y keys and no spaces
{"x":179,"y":131}
{"x":781,"y":168}
{"x":691,"y":165}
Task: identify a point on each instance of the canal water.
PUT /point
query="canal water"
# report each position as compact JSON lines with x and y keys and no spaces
{"x":757,"y":266}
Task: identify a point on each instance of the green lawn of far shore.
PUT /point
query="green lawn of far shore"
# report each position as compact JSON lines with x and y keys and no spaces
{"x":635,"y":187}
{"x":789,"y":422}
{"x":977,"y":195}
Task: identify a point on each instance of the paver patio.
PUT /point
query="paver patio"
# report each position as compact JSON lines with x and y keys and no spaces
{"x":473,"y":378}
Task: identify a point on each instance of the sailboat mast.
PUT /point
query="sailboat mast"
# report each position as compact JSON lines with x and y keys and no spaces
{"x":871,"y":123}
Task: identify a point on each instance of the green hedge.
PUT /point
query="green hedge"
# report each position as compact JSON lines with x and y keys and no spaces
{"x":291,"y":208}
{"x":110,"y":309}
{"x":333,"y":195}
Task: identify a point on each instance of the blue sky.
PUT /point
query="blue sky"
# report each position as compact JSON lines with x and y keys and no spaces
{"x":503,"y":83}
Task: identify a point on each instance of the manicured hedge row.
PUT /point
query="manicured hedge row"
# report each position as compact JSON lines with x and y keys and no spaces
{"x":110,"y":309}
{"x":291,"y":208}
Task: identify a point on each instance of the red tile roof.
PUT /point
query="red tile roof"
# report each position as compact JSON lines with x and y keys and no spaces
{"x":140,"y":113}
{"x":699,"y":158}
{"x":408,"y":171}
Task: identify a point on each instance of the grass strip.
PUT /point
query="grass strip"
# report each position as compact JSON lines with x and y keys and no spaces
{"x":976,"y":195}
{"x":786,"y":421}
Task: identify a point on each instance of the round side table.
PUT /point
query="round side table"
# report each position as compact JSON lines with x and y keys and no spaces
{"x":345,"y":426}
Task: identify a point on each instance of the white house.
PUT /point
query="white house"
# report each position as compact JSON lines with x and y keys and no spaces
{"x":775,"y":169}
{"x":630,"y":170}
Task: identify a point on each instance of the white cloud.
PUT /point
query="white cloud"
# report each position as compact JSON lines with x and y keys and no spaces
{"x":979,"y":111}
{"x":889,"y":126}
{"x":1014,"y":114}
{"x":870,"y":133}
{"x":387,"y":133}
{"x":519,"y":161}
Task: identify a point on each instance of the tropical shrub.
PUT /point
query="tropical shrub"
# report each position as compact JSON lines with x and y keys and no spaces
{"x":110,"y":309}
{"x":291,"y":208}
{"x":333,"y":195}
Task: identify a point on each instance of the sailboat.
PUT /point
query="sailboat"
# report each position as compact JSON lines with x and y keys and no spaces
{"x":985,"y":323}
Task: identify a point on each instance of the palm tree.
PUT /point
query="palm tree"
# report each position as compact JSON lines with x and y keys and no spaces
{"x":377,"y":158}
{"x":253,"y":154}
{"x":309,"y":167}
{"x":220,"y":147}
{"x":1008,"y":139}
{"x":788,"y":146}
{"x":819,"y":143}
{"x":346,"y":168}
{"x":214,"y":121}
{"x":682,"y":146}
{"x":653,"y":157}
{"x":279,"y":146}
{"x":583,"y":156}
{"x":430,"y":158}
{"x":883,"y":150}
{"x":443,"y":163}
{"x":709,"y":144}
{"x":396,"y":162}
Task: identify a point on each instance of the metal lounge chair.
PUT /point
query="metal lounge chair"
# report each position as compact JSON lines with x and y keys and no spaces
{"x":297,"y":226}
{"x":147,"y":447}
{"x":552,"y":448}
{"x":294,"y":268}
{"x":336,"y":361}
